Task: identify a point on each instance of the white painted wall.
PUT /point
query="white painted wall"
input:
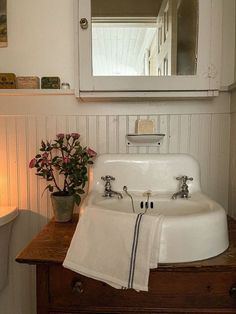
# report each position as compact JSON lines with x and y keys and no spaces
{"x":228,"y":42}
{"x":41,"y":43}
{"x":232,"y":178}
{"x":40,"y":39}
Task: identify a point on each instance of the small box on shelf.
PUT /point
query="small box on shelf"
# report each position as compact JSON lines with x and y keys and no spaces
{"x":7,"y":81}
{"x":27,"y":82}
{"x":50,"y":82}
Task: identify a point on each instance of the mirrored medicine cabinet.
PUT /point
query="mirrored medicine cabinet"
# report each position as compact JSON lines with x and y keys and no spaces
{"x":151,"y":48}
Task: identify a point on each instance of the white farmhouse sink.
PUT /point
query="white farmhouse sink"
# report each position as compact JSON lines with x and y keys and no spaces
{"x":193,"y":229}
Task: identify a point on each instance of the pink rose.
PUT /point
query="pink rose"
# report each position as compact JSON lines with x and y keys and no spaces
{"x":75,"y":135}
{"x":45,"y":162}
{"x":45,"y":155}
{"x":60,"y":136}
{"x":66,"y":160}
{"x":32,"y":163}
{"x":91,"y":152}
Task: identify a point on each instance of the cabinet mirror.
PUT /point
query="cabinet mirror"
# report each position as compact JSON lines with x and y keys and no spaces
{"x":148,"y":46}
{"x":144,"y":38}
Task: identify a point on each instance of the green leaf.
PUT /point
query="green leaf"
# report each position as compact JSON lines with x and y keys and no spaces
{"x":80,"y":191}
{"x":55,"y":159}
{"x":50,"y":187}
{"x":77,"y":199}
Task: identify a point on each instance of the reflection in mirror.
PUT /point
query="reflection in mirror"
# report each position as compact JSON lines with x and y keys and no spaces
{"x":138,"y":38}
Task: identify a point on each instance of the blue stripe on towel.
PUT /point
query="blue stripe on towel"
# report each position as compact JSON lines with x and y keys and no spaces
{"x":134,"y":250}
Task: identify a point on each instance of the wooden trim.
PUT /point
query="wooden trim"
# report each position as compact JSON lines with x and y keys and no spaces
{"x":36,"y":92}
{"x":232,"y":87}
{"x":42,"y":275}
{"x":147,"y":311}
{"x":146,"y":95}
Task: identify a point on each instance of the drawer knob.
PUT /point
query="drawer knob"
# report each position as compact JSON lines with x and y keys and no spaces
{"x":232,"y":291}
{"x":77,"y":286}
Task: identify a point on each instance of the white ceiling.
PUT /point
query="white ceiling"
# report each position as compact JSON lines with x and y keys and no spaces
{"x":119,"y":49}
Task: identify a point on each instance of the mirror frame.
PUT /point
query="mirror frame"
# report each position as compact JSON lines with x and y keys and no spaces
{"x":207,"y":77}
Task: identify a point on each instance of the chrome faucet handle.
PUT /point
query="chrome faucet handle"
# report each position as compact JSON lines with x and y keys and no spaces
{"x":184,"y":179}
{"x":184,"y":191}
{"x":108,"y":178}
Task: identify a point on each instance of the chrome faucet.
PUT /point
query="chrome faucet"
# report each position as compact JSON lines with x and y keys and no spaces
{"x":184,"y":192}
{"x":108,"y":192}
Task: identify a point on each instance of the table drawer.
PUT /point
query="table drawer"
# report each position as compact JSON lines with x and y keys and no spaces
{"x":167,"y":289}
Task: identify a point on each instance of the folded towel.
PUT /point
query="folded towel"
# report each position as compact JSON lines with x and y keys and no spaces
{"x":115,"y":247}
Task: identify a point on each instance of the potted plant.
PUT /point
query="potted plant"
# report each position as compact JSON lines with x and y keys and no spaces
{"x":63,"y":163}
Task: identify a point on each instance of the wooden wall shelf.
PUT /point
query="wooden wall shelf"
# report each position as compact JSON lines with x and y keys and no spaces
{"x":36,"y":92}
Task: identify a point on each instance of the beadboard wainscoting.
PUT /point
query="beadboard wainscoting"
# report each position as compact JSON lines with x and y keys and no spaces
{"x":204,"y":136}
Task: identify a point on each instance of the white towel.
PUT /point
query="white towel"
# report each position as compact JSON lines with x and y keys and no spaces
{"x":115,"y":247}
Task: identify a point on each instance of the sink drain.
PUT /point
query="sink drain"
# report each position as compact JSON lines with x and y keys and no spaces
{"x":146,"y":205}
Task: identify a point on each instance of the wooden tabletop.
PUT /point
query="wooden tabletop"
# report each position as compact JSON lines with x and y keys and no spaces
{"x":52,"y":243}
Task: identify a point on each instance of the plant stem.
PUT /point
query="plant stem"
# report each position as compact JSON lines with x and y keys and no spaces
{"x":53,"y":177}
{"x":65,"y":183}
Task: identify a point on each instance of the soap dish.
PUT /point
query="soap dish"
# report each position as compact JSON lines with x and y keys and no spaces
{"x":144,"y":139}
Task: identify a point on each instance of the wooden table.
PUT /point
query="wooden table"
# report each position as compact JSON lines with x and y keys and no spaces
{"x":208,"y":286}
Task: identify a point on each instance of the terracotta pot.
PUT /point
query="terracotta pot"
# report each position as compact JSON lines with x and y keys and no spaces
{"x":63,"y":207}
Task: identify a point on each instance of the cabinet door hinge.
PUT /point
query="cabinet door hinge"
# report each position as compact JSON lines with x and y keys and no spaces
{"x":212,"y":71}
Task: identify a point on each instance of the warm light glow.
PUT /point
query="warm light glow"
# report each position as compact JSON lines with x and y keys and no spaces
{"x":3,"y":181}
{"x":3,"y":184}
{"x":90,"y":179}
{"x":81,"y":210}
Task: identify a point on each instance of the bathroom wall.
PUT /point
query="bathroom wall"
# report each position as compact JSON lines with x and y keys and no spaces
{"x":41,"y":43}
{"x":232,"y":176}
{"x":200,"y":128}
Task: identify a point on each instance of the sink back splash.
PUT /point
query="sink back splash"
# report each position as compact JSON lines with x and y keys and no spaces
{"x":204,"y":136}
{"x":145,"y":172}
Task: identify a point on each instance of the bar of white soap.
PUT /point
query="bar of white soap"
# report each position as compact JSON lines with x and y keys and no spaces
{"x":144,"y":126}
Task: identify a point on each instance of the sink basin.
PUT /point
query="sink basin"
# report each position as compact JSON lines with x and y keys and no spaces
{"x":7,"y":214}
{"x":192,"y":229}
{"x":162,"y":204}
